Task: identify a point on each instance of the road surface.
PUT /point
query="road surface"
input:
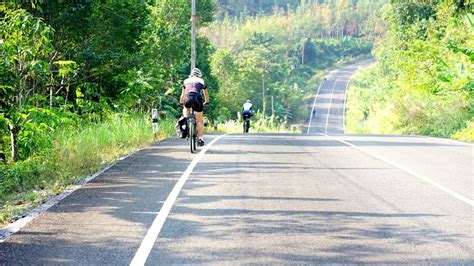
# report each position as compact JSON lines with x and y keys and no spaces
{"x":266,"y":199}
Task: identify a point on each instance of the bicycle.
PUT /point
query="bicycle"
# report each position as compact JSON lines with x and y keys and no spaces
{"x":246,"y":123}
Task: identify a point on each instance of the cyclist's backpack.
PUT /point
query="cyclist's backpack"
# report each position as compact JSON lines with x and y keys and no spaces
{"x":181,"y":127}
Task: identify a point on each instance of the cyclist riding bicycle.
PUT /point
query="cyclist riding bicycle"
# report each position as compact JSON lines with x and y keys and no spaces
{"x":247,"y":109}
{"x":191,"y":97}
{"x":247,"y":113}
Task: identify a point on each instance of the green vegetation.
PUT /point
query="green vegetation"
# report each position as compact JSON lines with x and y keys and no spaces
{"x":422,"y":82}
{"x":274,"y":56}
{"x":71,"y":153}
{"x":239,"y":8}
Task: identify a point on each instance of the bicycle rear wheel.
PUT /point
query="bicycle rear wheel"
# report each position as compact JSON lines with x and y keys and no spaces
{"x":192,"y":135}
{"x":246,"y":126}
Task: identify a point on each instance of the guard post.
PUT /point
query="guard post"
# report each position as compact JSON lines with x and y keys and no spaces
{"x":154,"y":117}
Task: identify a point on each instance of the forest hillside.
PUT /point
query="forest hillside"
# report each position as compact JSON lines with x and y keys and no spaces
{"x":423,"y":81}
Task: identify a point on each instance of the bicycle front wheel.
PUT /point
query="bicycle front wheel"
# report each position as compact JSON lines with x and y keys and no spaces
{"x":195,"y":138}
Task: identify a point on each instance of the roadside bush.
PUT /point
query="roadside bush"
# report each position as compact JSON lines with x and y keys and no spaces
{"x":465,"y":134}
{"x":32,"y":173}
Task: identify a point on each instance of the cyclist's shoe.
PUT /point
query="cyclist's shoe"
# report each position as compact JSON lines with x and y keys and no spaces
{"x":201,"y":142}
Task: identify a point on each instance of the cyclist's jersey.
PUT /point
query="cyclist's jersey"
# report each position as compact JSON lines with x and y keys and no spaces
{"x":247,"y":107}
{"x":194,"y":85}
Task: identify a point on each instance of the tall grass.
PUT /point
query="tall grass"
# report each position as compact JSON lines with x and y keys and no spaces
{"x":79,"y":153}
{"x":74,"y":154}
{"x":269,"y":125}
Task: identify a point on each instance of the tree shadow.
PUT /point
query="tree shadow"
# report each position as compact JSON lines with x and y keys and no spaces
{"x":104,"y":221}
{"x":220,"y":228}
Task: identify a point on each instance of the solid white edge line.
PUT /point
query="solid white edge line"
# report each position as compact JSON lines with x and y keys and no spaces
{"x":427,"y":180}
{"x":330,"y":104}
{"x":314,"y":103}
{"x":152,"y":234}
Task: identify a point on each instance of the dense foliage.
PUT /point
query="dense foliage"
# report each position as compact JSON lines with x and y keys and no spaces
{"x":423,"y":81}
{"x":239,"y":8}
{"x":269,"y":59}
{"x":87,"y":58}
{"x":78,"y":80}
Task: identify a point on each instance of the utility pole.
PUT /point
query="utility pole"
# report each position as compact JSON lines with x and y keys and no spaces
{"x":263,"y":95}
{"x":273,"y":109}
{"x":302,"y":49}
{"x":193,"y":34}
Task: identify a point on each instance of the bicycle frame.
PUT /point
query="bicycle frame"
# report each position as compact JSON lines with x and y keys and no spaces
{"x":192,"y":130}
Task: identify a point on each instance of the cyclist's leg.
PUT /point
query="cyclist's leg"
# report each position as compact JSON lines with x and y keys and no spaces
{"x":198,"y":108}
{"x":185,"y":112}
{"x":188,"y":102}
{"x":199,"y":117}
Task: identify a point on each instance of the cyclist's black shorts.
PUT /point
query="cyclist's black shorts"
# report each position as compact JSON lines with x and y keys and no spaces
{"x":247,"y":114}
{"x":194,"y":100}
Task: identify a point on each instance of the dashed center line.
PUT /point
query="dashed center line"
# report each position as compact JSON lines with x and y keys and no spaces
{"x":314,"y":103}
{"x":330,"y":104}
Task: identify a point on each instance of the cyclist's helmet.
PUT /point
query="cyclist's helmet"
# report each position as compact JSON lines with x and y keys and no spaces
{"x":196,"y":72}
{"x":248,"y":101}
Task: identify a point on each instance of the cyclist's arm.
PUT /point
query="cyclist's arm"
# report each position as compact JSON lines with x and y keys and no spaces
{"x":183,"y":92}
{"x":206,"y":95}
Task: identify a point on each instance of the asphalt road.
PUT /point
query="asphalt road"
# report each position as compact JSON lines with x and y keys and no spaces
{"x":267,"y":199}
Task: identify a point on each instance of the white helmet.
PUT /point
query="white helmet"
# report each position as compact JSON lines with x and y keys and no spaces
{"x":196,"y":72}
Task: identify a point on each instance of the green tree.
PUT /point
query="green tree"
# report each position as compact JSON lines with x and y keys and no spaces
{"x":26,"y":50}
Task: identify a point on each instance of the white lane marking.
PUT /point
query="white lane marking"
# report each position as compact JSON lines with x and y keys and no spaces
{"x":330,"y":104}
{"x":427,"y":180}
{"x":314,"y":103}
{"x":344,"y":106}
{"x":147,"y":243}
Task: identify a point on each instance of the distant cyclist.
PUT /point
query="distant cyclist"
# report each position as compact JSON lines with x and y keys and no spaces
{"x":247,"y":109}
{"x":191,"y":97}
{"x":247,"y":114}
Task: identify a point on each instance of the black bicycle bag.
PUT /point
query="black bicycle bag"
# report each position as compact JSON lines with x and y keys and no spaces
{"x":181,"y":127}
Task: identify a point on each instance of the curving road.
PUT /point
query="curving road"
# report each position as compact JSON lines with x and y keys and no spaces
{"x":267,"y":199}
{"x":328,"y":109}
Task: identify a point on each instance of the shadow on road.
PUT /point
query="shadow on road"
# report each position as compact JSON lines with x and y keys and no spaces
{"x":107,"y":219}
{"x":104,"y":221}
